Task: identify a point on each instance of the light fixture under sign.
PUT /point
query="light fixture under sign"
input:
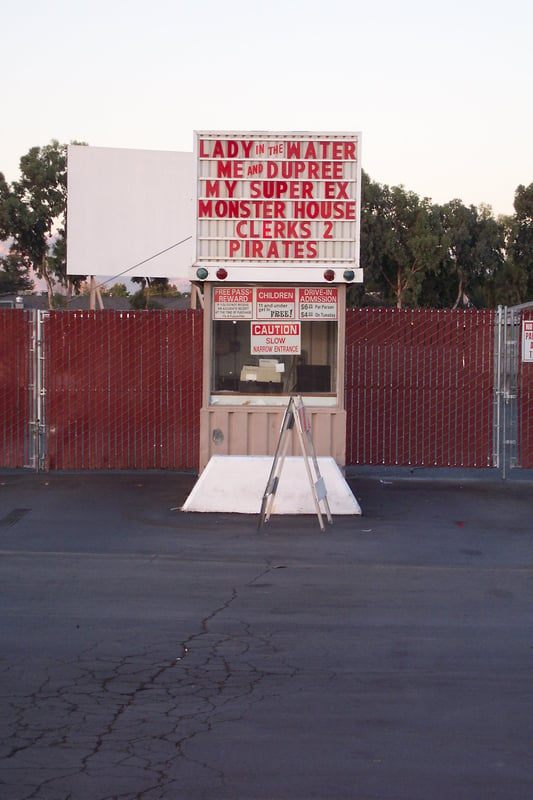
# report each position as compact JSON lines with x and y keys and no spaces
{"x":329,"y":275}
{"x":222,"y":274}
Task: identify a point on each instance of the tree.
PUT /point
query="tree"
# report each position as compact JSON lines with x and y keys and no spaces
{"x":38,"y":206}
{"x":472,"y":255}
{"x":489,"y":256}
{"x":14,"y":271}
{"x":458,"y":224}
{"x":415,"y":250}
{"x":14,"y":275}
{"x":116,"y":290}
{"x":519,"y":266}
{"x":33,"y":213}
{"x":4,"y":215}
{"x":399,"y":243}
{"x":143,"y":298}
{"x":374,"y":230}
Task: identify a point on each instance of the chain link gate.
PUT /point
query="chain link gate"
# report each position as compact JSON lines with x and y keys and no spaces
{"x":420,"y":387}
{"x":100,"y":390}
{"x":513,"y":392}
{"x":37,"y":423}
{"x":17,"y":389}
{"x":123,"y":389}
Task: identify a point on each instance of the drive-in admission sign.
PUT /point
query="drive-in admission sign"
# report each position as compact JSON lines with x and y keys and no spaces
{"x":317,"y":302}
{"x":278,"y":206}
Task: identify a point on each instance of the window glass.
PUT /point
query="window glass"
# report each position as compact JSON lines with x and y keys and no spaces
{"x":236,"y":370}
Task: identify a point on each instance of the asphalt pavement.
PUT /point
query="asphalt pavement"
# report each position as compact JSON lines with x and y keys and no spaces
{"x":148,"y":653}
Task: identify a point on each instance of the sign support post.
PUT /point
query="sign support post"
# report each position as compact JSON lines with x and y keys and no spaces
{"x":295,"y":413}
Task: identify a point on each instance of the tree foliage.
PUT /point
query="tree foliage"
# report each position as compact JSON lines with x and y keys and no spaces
{"x":116,"y":290}
{"x":519,"y":266}
{"x":14,"y":275}
{"x":413,"y":252}
{"x":416,"y":253}
{"x":144,"y":297}
{"x":33,"y":214}
{"x":14,"y":271}
{"x":37,"y":207}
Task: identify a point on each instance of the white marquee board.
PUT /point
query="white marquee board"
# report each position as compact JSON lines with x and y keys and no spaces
{"x":278,"y":206}
{"x":127,"y":210}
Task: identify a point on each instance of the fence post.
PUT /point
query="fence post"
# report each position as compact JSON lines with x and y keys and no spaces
{"x":37,"y":422}
{"x":511,"y":396}
{"x":506,"y":389}
{"x":501,"y":315}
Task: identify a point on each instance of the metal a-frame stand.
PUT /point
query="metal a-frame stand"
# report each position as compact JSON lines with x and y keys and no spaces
{"x":295,"y":413}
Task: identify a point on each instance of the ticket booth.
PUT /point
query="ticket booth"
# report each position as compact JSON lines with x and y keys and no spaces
{"x":276,"y":245}
{"x":264,"y":343}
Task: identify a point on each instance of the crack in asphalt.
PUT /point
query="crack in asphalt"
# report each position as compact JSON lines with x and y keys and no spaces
{"x":155,"y":710}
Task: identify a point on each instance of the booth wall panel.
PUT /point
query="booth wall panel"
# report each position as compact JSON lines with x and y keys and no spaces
{"x":237,"y":430}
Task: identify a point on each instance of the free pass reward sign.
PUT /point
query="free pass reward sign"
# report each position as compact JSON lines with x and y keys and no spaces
{"x":277,"y":206}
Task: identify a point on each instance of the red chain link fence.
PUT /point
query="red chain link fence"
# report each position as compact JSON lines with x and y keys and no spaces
{"x":525,"y":407}
{"x":419,"y":387}
{"x":15,"y":392}
{"x":123,"y":389}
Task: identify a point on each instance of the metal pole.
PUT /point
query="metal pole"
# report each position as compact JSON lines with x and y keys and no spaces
{"x":40,"y":392}
{"x":498,"y":390}
{"x":504,"y":412}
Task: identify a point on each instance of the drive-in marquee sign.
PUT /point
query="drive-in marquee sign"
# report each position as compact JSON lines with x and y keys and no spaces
{"x":277,"y":206}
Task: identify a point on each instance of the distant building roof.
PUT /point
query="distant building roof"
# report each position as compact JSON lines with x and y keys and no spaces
{"x":81,"y":302}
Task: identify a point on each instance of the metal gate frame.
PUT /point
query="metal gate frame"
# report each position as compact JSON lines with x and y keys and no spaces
{"x":512,"y":411}
{"x":37,"y":422}
{"x":420,"y":388}
{"x":17,"y":392}
{"x":122,"y":389}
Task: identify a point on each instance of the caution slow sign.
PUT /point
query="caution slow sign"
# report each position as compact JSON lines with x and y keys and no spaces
{"x":275,"y":338}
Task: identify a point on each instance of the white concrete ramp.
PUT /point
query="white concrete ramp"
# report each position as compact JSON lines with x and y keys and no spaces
{"x":236,"y":484}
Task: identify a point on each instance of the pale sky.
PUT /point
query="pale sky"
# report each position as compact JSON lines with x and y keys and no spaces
{"x":441,"y":91}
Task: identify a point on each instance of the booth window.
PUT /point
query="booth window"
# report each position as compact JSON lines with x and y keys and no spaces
{"x":312,"y":371}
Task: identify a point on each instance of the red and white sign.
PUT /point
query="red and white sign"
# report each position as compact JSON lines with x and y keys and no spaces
{"x":275,"y":302}
{"x":317,"y":302}
{"x":281,"y":201}
{"x":275,"y":338}
{"x":233,"y":302}
{"x":527,"y":340}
